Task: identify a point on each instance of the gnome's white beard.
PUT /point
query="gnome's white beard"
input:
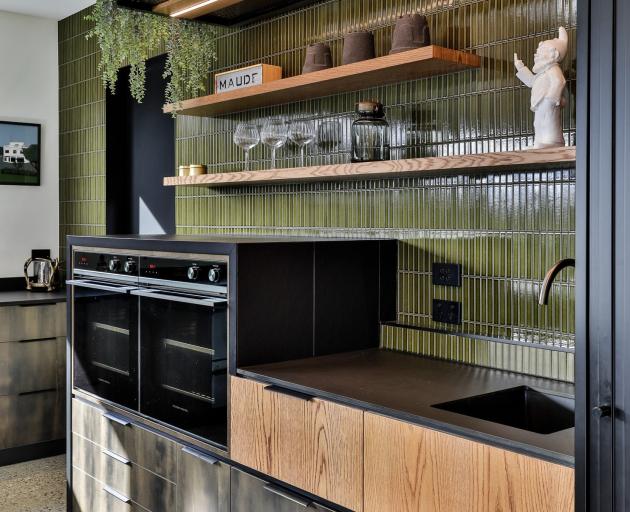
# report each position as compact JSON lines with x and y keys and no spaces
{"x":543,"y":65}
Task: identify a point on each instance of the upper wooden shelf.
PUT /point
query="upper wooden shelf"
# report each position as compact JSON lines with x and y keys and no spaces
{"x":431,"y":166}
{"x":409,"y":65}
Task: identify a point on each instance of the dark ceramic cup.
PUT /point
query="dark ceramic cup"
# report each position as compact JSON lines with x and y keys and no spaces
{"x":358,"y":46}
{"x":318,"y":57}
{"x":411,"y":31}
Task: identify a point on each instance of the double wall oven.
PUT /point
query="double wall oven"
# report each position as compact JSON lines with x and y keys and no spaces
{"x":150,"y":334}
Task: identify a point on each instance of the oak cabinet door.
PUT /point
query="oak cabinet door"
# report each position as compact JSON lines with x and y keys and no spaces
{"x":409,"y":468}
{"x":312,"y":444}
{"x":203,"y":482}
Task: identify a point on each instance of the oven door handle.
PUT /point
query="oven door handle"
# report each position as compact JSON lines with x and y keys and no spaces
{"x":98,"y":286}
{"x":186,"y":299}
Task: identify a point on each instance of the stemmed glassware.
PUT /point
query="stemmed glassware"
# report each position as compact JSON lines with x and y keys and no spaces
{"x":302,"y":133}
{"x":246,"y":137}
{"x":274,"y":134}
{"x":329,"y":136}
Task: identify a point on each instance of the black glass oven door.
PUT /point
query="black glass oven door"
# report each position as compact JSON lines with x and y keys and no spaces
{"x":183,"y":354}
{"x":105,"y":321}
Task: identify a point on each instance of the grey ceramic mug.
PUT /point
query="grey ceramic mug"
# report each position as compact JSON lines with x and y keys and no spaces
{"x":318,"y":57}
{"x":411,"y":31}
{"x":358,"y":46}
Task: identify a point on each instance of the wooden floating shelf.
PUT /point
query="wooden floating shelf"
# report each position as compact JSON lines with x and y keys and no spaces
{"x":420,"y":63}
{"x":432,"y":166}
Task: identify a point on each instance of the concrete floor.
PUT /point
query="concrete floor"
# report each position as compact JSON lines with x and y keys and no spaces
{"x":35,"y":486}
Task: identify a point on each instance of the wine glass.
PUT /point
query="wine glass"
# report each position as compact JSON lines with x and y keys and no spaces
{"x":329,"y":137}
{"x":274,"y":134}
{"x":302,"y":133}
{"x":246,"y":136}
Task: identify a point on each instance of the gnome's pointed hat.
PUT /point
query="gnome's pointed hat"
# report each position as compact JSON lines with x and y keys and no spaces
{"x":561,"y":43}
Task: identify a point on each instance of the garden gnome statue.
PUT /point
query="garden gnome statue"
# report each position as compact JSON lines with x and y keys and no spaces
{"x":547,"y":83}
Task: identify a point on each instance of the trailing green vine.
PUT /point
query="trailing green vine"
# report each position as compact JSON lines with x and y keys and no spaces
{"x":127,"y":37}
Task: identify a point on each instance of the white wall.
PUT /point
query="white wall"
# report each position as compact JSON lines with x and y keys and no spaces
{"x":29,"y":216}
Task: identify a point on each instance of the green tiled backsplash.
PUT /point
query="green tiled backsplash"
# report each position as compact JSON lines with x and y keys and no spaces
{"x":505,"y":229}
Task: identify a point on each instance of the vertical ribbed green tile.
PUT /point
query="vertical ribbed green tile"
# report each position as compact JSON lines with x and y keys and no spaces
{"x":82,"y":132}
{"x":505,"y":230}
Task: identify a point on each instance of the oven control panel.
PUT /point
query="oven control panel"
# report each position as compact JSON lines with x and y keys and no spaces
{"x":189,"y":271}
{"x":109,"y":263}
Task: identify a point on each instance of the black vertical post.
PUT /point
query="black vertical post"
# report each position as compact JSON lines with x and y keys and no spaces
{"x":603,"y":250}
{"x":621,"y":332}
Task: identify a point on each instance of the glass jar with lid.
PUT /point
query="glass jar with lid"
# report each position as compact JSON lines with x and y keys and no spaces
{"x":370,"y":133}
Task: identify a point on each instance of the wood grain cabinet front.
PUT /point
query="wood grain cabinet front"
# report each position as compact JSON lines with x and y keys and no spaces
{"x":312,"y":444}
{"x":120,"y":435}
{"x":250,"y":494}
{"x":33,"y":365}
{"x":122,"y":476}
{"x":409,"y":468}
{"x":32,"y":374}
{"x":32,"y":322}
{"x":90,"y":495}
{"x":203,"y":482}
{"x":31,"y":418}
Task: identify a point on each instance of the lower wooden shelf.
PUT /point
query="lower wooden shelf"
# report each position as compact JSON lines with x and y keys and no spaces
{"x":509,"y":161}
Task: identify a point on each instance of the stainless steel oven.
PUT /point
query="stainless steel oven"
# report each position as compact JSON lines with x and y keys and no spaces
{"x":150,"y":333}
{"x":105,"y":331}
{"x":183,"y":344}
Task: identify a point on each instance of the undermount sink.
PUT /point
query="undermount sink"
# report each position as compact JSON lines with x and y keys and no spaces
{"x":520,"y":407}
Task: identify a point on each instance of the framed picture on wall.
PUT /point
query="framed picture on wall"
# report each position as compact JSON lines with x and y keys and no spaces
{"x":20,"y":147}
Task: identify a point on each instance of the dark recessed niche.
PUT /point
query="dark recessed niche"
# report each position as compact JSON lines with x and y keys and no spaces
{"x":140,"y":151}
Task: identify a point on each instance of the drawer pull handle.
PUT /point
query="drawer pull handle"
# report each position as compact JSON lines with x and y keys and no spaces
{"x":115,"y":456}
{"x":116,"y":494}
{"x":36,"y":391}
{"x":34,"y":340}
{"x":288,"y":392}
{"x":288,"y":495}
{"x":37,"y":304}
{"x":201,"y":456}
{"x":116,"y":418}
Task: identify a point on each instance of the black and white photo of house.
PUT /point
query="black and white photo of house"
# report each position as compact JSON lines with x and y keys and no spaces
{"x":20,"y":145}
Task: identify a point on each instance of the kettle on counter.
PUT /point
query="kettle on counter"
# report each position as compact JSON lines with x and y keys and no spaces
{"x":45,"y":276}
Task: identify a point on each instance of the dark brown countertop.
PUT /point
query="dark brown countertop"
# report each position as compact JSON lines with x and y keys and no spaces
{"x":24,"y":297}
{"x":405,"y":386}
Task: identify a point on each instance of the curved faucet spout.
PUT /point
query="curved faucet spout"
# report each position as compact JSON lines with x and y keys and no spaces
{"x":543,"y":299}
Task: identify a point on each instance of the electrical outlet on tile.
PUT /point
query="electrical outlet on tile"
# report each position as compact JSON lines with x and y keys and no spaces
{"x":447,"y":311}
{"x":447,"y":274}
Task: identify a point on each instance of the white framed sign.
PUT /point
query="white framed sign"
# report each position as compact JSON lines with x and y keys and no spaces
{"x":246,"y":77}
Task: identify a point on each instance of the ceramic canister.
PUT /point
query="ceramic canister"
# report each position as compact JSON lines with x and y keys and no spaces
{"x":318,"y":57}
{"x":358,"y":46}
{"x":411,"y":31}
{"x":197,"y":169}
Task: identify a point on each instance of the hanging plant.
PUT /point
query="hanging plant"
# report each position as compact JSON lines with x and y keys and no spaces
{"x":191,"y":51}
{"x":127,"y":37}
